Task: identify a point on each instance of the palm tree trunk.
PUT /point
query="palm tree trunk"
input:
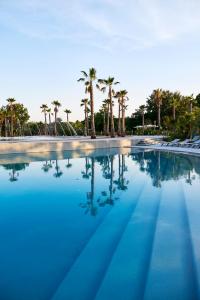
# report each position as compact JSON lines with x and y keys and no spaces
{"x":45,"y":121}
{"x":108,"y":119}
{"x":93,"y":133}
{"x":119,"y":119}
{"x":159,"y":115}
{"x":143,"y":120}
{"x":11,"y":125}
{"x":49,"y":124}
{"x":5,"y":124}
{"x":67,"y":118}
{"x":123,"y":118}
{"x":55,"y":124}
{"x":104,"y":122}
{"x":87,"y":120}
{"x":191,"y":108}
{"x":85,"y":128}
{"x":112,"y":128}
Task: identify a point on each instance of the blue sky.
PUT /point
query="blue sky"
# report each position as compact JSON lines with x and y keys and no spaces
{"x":145,"y":44}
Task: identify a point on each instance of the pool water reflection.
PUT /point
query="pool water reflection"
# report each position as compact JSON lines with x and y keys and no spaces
{"x":111,"y":224}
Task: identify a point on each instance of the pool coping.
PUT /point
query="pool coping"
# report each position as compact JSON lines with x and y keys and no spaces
{"x":182,"y":150}
{"x":60,"y":144}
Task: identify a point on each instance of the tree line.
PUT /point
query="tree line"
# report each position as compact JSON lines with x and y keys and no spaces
{"x":170,"y":112}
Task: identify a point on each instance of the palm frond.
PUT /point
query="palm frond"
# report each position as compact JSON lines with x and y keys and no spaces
{"x":84,"y":73}
{"x":81,"y":79}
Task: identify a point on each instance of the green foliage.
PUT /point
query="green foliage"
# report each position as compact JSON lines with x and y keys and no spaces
{"x":13,"y":112}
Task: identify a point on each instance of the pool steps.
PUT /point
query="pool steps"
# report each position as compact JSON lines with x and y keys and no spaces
{"x":171,"y":275}
{"x":192,"y":206}
{"x":98,"y":252}
{"x":129,"y":266}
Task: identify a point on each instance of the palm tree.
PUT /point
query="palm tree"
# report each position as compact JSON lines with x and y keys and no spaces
{"x":1,"y":121}
{"x":67,"y":111}
{"x":123,"y":96}
{"x":174,"y":103}
{"x":108,"y":83}
{"x":142,"y":112}
{"x":5,"y":116}
{"x":104,"y":110}
{"x":191,"y":100}
{"x":88,"y":79}
{"x":44,"y":109}
{"x":84,"y":102}
{"x":49,"y":113}
{"x":11,"y":101}
{"x":56,"y":104}
{"x":117,"y":95}
{"x":106,"y":102}
{"x":157,"y":94}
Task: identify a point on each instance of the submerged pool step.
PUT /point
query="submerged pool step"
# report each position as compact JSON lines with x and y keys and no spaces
{"x":192,"y":205}
{"x":82,"y":281}
{"x":171,"y":275}
{"x":126,"y":275}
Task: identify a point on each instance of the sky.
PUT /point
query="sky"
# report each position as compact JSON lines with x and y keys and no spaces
{"x":144,"y":44}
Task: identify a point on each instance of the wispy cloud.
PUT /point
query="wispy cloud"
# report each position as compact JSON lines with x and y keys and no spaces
{"x":128,"y":24}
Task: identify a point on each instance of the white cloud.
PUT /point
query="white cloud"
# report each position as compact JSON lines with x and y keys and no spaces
{"x":128,"y":24}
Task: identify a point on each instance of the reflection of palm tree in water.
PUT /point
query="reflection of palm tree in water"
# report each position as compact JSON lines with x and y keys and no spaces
{"x":108,"y":173}
{"x":13,"y":175}
{"x":58,"y":172}
{"x":121,"y":182}
{"x":154,"y":164}
{"x":68,"y":165}
{"x":89,"y":205}
{"x":15,"y":168}
{"x":47,"y":166}
{"x":86,"y":174}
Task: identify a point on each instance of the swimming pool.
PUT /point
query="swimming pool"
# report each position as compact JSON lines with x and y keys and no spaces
{"x":107,"y":224}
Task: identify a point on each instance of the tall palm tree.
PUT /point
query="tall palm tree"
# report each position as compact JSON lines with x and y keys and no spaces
{"x":56,"y":104}
{"x":1,"y":121}
{"x":5,"y":116}
{"x":84,"y":102}
{"x":44,"y":109}
{"x":104,"y":110}
{"x":191,"y":101}
{"x":88,"y":80}
{"x":175,"y":101}
{"x":157,"y":94}
{"x":49,"y":114}
{"x":142,"y":112}
{"x":106,"y":102}
{"x":108,"y":84}
{"x":123,"y":98}
{"x":117,"y":95}
{"x":11,"y":102}
{"x":67,"y":111}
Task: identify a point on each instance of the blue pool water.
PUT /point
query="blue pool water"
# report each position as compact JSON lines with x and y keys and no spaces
{"x":108,"y":224}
